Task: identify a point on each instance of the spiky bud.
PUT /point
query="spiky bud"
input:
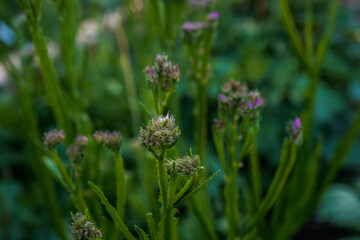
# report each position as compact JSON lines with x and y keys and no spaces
{"x":53,"y":138}
{"x":76,"y":151}
{"x":161,"y":132}
{"x":111,"y":140}
{"x":295,"y":131}
{"x":186,"y":166}
{"x":83,"y":229}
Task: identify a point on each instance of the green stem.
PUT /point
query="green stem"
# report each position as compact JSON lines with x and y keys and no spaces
{"x":120,"y":184}
{"x":61,"y":168}
{"x":165,"y":211}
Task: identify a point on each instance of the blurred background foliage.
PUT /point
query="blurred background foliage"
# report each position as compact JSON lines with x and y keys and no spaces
{"x":116,"y":39}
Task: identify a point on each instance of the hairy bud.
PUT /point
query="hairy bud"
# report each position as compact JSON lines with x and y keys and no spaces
{"x":186,"y":166}
{"x":83,"y":229}
{"x":161,"y":131}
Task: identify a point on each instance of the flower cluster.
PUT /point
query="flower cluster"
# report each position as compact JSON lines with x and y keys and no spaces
{"x":161,"y":131}
{"x":83,"y":229}
{"x":186,"y":166}
{"x":76,"y":151}
{"x":164,"y":74}
{"x":193,"y":26}
{"x":235,"y":98}
{"x":53,"y":138}
{"x":213,"y":16}
{"x":111,"y":140}
{"x":295,"y":131}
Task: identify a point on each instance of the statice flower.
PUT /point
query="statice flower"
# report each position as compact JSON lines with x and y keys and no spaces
{"x":111,"y":140}
{"x":53,"y":138}
{"x":161,"y":132}
{"x":295,"y":131}
{"x":164,"y":74}
{"x":193,"y":26}
{"x":83,"y":229}
{"x":186,"y":166}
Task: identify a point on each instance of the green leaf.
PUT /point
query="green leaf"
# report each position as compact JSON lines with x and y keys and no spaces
{"x":49,"y":163}
{"x":291,"y":29}
{"x":324,"y":42}
{"x":141,"y":233}
{"x":146,"y":110}
{"x":112,"y":211}
{"x":151,"y":226}
{"x":287,"y":160}
{"x":341,"y":152}
{"x":183,"y":199}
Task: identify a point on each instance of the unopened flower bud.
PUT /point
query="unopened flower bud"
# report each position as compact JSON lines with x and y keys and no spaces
{"x":53,"y":138}
{"x":76,"y":151}
{"x":233,"y":96}
{"x":83,"y":229}
{"x":161,"y":131}
{"x":186,"y":166}
{"x":295,"y":131}
{"x":111,"y":140}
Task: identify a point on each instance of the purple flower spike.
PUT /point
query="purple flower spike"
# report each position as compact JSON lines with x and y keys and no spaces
{"x":213,"y":16}
{"x":297,"y":124}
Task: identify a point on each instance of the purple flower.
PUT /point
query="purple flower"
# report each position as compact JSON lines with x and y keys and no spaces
{"x":193,"y":26}
{"x":222,"y":98}
{"x":295,"y":131}
{"x":213,"y":16}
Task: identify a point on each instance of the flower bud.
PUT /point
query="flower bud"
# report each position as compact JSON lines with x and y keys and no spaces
{"x":83,"y":229}
{"x":76,"y":151}
{"x":53,"y":138}
{"x":219,"y":126}
{"x":186,"y":166}
{"x":111,"y":140}
{"x":233,"y":96}
{"x":161,"y":131}
{"x":295,"y":131}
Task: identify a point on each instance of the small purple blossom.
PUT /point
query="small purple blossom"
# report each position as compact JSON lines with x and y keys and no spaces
{"x":213,"y":16}
{"x":53,"y":138}
{"x":219,"y":126}
{"x":193,"y":26}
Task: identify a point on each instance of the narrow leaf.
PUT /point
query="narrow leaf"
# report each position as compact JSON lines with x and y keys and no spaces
{"x":151,"y":226}
{"x":112,"y":211}
{"x":141,"y":233}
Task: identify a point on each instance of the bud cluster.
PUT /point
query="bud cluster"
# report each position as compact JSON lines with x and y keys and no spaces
{"x":76,"y":151}
{"x":295,"y":131}
{"x":83,"y":229}
{"x":53,"y":138}
{"x":186,"y":166}
{"x":235,"y":98}
{"x":161,"y":131}
{"x":164,"y":74}
{"x":111,"y":140}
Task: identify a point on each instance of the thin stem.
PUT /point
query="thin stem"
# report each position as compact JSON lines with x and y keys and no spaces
{"x":120,"y":184}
